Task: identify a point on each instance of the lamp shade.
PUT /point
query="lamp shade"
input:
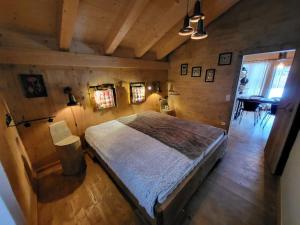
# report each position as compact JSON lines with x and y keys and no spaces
{"x":200,"y":33}
{"x":197,"y":13}
{"x":72,"y":100}
{"x":186,"y":29}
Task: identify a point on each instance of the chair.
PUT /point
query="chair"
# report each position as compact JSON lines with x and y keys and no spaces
{"x":69,"y":148}
{"x":250,"y":106}
{"x":271,"y":112}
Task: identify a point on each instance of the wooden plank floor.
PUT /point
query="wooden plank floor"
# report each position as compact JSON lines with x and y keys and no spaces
{"x":239,"y":191}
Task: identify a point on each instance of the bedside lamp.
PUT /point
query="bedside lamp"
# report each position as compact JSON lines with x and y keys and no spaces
{"x":72,"y":99}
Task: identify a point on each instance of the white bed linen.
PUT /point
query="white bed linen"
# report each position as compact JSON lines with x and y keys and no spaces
{"x":150,"y":169}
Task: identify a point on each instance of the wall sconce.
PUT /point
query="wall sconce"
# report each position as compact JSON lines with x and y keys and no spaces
{"x":154,"y":86}
{"x":171,"y":90}
{"x":72,"y":100}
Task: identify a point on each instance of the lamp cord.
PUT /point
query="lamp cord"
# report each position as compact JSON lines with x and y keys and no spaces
{"x":74,"y":118}
{"x":187,"y":7}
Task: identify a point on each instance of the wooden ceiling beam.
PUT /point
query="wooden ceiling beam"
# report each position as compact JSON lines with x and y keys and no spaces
{"x":67,"y":59}
{"x":69,"y":10}
{"x":124,"y":22}
{"x":161,"y":25}
{"x":171,"y":41}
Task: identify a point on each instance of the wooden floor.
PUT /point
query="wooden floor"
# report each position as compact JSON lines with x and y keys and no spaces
{"x":239,"y":191}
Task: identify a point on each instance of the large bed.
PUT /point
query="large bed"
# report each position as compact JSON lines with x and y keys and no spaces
{"x":156,"y":160}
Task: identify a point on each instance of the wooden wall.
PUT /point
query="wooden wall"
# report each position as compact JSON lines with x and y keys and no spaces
{"x":37,"y":140}
{"x":249,"y":27}
{"x":11,"y":153}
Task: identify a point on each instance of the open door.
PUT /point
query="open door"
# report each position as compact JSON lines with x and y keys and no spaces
{"x":282,"y":133}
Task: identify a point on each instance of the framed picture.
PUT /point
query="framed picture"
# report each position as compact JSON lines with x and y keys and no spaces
{"x":225,"y":58}
{"x":210,"y":75}
{"x":184,"y":69}
{"x":196,"y":71}
{"x":33,"y":85}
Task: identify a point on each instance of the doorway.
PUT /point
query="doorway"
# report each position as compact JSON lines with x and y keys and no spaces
{"x":258,"y":93}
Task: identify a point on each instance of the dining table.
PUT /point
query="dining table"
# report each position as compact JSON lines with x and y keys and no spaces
{"x":259,"y":99}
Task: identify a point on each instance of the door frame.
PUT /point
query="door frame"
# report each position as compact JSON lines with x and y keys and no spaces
{"x":277,"y":159}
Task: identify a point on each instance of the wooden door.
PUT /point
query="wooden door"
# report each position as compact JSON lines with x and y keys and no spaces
{"x":284,"y":117}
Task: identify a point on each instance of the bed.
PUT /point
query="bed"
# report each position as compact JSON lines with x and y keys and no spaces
{"x":156,"y":160}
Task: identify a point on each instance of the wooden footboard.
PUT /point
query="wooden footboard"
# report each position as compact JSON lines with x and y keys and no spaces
{"x":171,"y":210}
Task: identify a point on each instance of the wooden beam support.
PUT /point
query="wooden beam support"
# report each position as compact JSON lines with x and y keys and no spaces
{"x":66,"y":59}
{"x":171,"y":41}
{"x":161,"y":25}
{"x":124,"y":22}
{"x":69,"y":9}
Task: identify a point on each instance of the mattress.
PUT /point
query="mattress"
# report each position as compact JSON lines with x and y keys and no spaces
{"x":149,"y":168}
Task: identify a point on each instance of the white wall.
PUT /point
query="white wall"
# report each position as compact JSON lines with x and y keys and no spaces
{"x":290,"y":187}
{"x":10,"y":211}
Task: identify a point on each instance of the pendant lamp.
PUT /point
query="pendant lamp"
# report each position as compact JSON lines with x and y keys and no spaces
{"x":186,"y":29}
{"x":197,"y":13}
{"x":200,"y":32}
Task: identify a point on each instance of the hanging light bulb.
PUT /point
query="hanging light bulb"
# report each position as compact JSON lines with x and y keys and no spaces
{"x":200,"y":33}
{"x":197,"y":13}
{"x":186,"y":29}
{"x":280,"y":66}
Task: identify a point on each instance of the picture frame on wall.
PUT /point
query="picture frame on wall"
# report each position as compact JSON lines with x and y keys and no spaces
{"x":33,"y":85}
{"x":210,"y":75}
{"x":184,"y":69}
{"x":196,"y":71}
{"x":225,"y":58}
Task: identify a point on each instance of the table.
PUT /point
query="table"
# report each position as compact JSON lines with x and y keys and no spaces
{"x":170,"y":112}
{"x":261,"y":100}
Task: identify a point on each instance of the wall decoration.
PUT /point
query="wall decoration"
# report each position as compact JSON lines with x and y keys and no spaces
{"x":184,"y":69}
{"x":196,"y":71}
{"x":103,"y":96}
{"x":210,"y":75}
{"x":225,"y":58}
{"x":137,"y":92}
{"x":33,"y":85}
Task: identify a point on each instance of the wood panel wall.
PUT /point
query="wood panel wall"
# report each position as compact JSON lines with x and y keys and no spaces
{"x":12,"y":154}
{"x":249,"y":27}
{"x":37,"y":140}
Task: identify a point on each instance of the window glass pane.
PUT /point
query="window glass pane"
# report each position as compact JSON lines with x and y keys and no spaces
{"x":279,"y":80}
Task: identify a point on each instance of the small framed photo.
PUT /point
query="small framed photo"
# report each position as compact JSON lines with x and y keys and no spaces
{"x":225,"y":58}
{"x":184,"y":69}
{"x":196,"y":71}
{"x":33,"y":85}
{"x":210,"y":75}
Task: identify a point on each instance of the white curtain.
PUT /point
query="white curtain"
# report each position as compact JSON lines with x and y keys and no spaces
{"x":257,"y":74}
{"x":280,"y":76}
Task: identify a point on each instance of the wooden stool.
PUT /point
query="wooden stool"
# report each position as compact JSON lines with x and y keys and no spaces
{"x":69,"y":148}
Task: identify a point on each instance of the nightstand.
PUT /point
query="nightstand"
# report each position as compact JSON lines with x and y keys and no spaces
{"x":170,"y":112}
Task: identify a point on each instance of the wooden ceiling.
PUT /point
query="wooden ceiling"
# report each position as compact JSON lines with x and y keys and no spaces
{"x":141,"y":25}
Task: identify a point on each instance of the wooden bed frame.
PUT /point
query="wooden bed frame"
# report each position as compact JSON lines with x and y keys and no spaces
{"x":171,"y":211}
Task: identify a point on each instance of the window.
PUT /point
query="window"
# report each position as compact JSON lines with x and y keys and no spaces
{"x":280,"y":76}
{"x":137,"y":92}
{"x":257,"y":73}
{"x":104,"y":96}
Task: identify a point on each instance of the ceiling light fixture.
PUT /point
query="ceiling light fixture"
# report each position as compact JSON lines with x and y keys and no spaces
{"x":186,"y":29}
{"x":197,"y":13}
{"x":200,"y":33}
